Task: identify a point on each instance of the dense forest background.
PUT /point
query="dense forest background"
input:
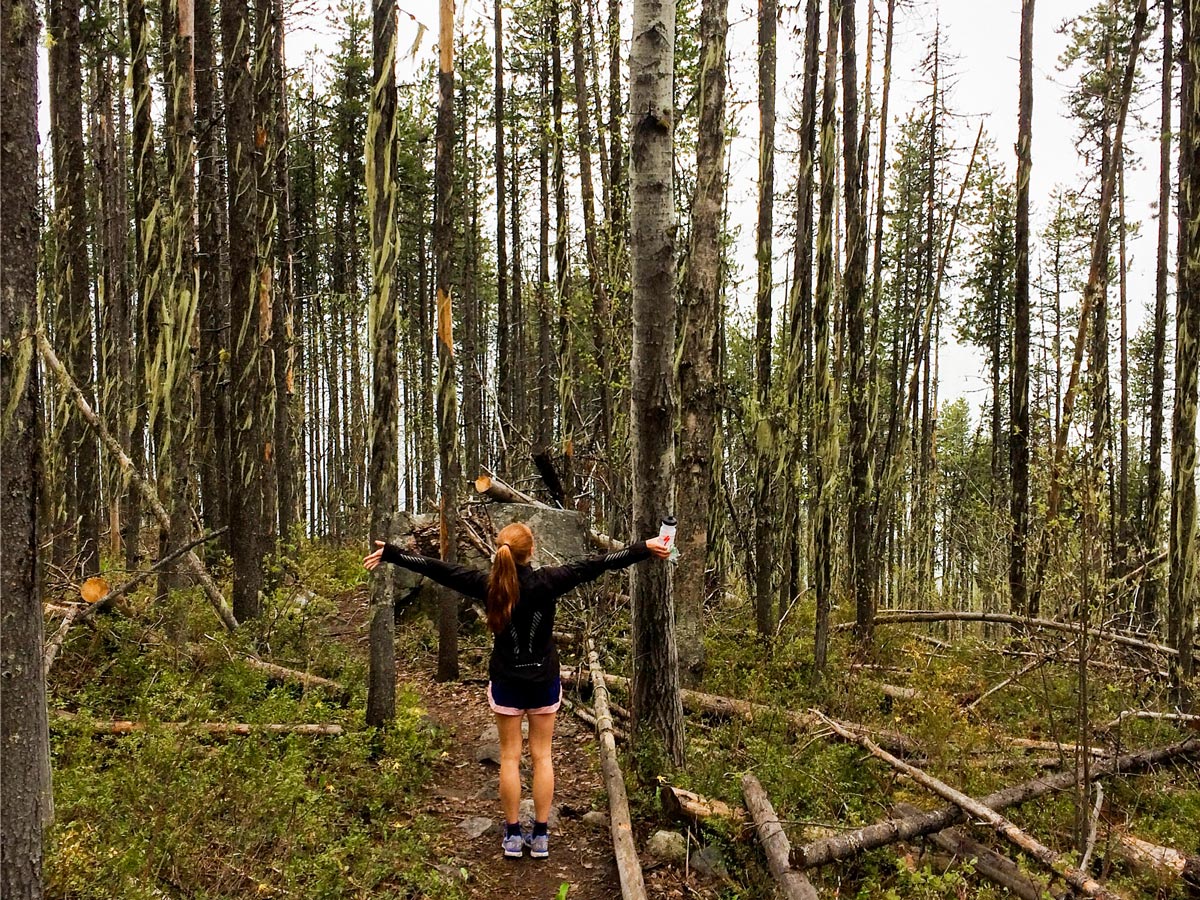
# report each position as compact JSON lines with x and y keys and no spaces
{"x":283,"y":298}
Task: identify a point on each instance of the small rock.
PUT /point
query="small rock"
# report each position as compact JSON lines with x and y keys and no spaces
{"x":595,"y":819}
{"x":709,"y":863}
{"x":488,"y":753}
{"x":668,"y":846}
{"x":490,"y":791}
{"x":454,"y":873}
{"x":527,"y":812}
{"x":476,"y":826}
{"x":491,"y":734}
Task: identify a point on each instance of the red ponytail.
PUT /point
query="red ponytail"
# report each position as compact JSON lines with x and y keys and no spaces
{"x":515,"y":545}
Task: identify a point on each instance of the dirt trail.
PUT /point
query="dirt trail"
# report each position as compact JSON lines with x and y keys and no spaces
{"x":465,"y":789}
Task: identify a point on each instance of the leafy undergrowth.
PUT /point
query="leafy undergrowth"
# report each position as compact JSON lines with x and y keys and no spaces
{"x":820,"y":786}
{"x":170,"y":812}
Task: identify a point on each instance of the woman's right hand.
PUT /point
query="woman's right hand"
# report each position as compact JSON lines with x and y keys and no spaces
{"x":659,"y":547}
{"x":372,"y":561}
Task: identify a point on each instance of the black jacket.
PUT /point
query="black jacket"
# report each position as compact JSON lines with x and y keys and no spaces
{"x":525,"y":650}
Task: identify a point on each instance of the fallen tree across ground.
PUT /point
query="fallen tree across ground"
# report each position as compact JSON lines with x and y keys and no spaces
{"x":731,"y":707}
{"x":792,"y":884}
{"x":901,"y":616}
{"x":1078,"y":879}
{"x":831,"y":849}
{"x":125,"y":726}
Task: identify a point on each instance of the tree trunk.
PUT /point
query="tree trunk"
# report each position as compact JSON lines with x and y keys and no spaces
{"x":1018,"y":442}
{"x":824,"y":435}
{"x":1153,"y":502}
{"x":505,"y":319}
{"x":289,"y":466}
{"x":601,"y":320}
{"x":381,"y":195}
{"x":860,"y":550}
{"x":544,"y":432}
{"x":246,"y":514}
{"x":266,"y":111}
{"x":72,"y":278}
{"x":24,"y":739}
{"x":1182,"y":586}
{"x":657,"y":709}
{"x":447,"y":394}
{"x":213,"y":302}
{"x":178,"y":317}
{"x":765,"y":527}
{"x":700,"y":304}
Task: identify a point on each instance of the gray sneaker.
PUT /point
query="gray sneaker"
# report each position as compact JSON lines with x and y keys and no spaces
{"x":539,"y":846}
{"x":514,"y":846}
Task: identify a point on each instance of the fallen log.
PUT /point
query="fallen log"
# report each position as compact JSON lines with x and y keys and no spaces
{"x":1079,"y":880}
{"x":1054,"y":746}
{"x":989,"y":864}
{"x":694,"y":808}
{"x":831,"y":849}
{"x":586,"y":715}
{"x":145,"y":488}
{"x":124,"y":726}
{"x":1163,"y":863}
{"x":733,"y":708}
{"x":1025,"y":670}
{"x":84,"y":614}
{"x":629,"y":866}
{"x":900,"y":616}
{"x":792,"y":883}
{"x":493,"y":487}
{"x":305,"y":678}
{"x":1188,"y":719}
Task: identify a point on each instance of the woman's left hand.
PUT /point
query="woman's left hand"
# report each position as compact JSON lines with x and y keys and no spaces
{"x":375,"y":558}
{"x":659,"y":547}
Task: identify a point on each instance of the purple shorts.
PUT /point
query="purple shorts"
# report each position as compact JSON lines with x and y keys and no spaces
{"x":517,"y":699}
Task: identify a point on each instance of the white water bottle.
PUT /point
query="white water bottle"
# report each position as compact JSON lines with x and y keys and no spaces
{"x":667,"y":532}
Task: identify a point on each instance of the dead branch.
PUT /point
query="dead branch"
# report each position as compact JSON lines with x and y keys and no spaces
{"x":879,"y":834}
{"x":900,"y":616}
{"x":629,"y":866}
{"x":1025,"y":670}
{"x":1188,"y":719}
{"x":124,"y":726}
{"x":1080,"y":880}
{"x":792,"y":883}
{"x":989,"y":864}
{"x":286,"y":674}
{"x":148,"y":491}
{"x":730,"y":707}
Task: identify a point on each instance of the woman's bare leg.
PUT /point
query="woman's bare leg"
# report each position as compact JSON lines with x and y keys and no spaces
{"x":541,"y":733}
{"x":510,"y":765}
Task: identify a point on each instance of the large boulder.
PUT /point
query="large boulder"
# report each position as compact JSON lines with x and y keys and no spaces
{"x":558,"y":534}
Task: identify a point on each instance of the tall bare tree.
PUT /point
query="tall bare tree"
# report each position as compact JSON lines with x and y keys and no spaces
{"x":657,"y":708}
{"x":700,"y":303}
{"x":73,"y":305}
{"x":1152,"y":514}
{"x":824,"y":435}
{"x":24,"y":738}
{"x":249,"y":327}
{"x":1018,"y":445}
{"x":447,"y":394}
{"x":765,"y":527}
{"x":861,"y":552}
{"x":1182,"y":582}
{"x":384,"y":321}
